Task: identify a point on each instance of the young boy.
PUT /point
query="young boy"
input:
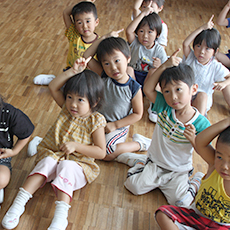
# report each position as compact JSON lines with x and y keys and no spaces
{"x":211,"y":207}
{"x":169,"y":159}
{"x":222,"y":20}
{"x":80,"y":21}
{"x":157,"y":5}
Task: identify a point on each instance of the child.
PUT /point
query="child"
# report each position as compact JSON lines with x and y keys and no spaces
{"x":124,"y":103}
{"x":209,"y":73}
{"x":168,"y":164}
{"x":80,"y":21}
{"x":13,"y":123}
{"x":211,"y":207}
{"x":77,"y":135}
{"x":222,"y":20}
{"x":157,"y":5}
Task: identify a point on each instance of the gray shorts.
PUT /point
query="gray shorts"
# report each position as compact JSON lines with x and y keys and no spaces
{"x":6,"y":162}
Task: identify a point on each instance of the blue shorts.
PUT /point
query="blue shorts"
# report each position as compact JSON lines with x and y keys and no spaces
{"x":140,"y":77}
{"x":6,"y":162}
{"x":228,"y":54}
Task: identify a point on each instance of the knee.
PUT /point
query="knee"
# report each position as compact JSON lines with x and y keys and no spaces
{"x":132,"y":187}
{"x":4,"y":177}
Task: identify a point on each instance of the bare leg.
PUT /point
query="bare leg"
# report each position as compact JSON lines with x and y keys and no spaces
{"x":4,"y":176}
{"x":132,"y":146}
{"x":165,"y":222}
{"x":33,"y":183}
{"x":223,"y":58}
{"x":226,"y":94}
{"x":61,"y":196}
{"x":200,"y":102}
{"x":130,"y":72}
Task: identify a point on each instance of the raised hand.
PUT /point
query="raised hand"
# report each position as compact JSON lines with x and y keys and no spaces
{"x":173,"y":60}
{"x":114,"y":33}
{"x":209,"y":25}
{"x":80,"y":64}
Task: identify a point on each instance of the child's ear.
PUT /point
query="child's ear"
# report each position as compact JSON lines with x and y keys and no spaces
{"x":194,"y":89}
{"x":160,"y":9}
{"x":217,"y":50}
{"x":96,"y":22}
{"x":129,"y":58}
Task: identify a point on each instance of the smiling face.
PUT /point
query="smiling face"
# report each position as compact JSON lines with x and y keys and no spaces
{"x":222,"y":160}
{"x":115,"y":66}
{"x":203,"y":53}
{"x":85,"y":24}
{"x":77,"y":106}
{"x":146,"y":36}
{"x":178,"y":95}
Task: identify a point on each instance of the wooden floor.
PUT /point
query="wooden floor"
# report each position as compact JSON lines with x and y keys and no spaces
{"x":33,"y":42}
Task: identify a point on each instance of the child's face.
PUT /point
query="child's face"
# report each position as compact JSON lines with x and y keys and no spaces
{"x":115,"y":66}
{"x":154,"y":5}
{"x":222,"y":160}
{"x":178,"y":95}
{"x":203,"y":53}
{"x":85,"y":24}
{"x":77,"y":106}
{"x":146,"y":36}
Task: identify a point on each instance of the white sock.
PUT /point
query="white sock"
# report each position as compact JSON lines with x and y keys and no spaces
{"x":60,"y":221}
{"x":11,"y":218}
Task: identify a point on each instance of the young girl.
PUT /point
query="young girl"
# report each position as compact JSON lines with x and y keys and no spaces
{"x":67,"y":152}
{"x":210,"y":74}
{"x":13,"y":122}
{"x":211,"y":207}
{"x":124,"y":104}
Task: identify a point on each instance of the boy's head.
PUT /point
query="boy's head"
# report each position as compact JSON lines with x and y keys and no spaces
{"x":111,"y":44}
{"x":157,"y":5}
{"x":84,"y":7}
{"x":178,"y":85}
{"x":85,"y":19}
{"x":89,"y":85}
{"x":222,"y":154}
{"x":211,"y":37}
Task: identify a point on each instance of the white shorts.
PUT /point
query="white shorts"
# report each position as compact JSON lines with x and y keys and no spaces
{"x":66,"y":176}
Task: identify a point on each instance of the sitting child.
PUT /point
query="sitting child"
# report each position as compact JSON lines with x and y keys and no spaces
{"x":210,"y":74}
{"x":211,"y":207}
{"x":66,"y":155}
{"x":168,"y":163}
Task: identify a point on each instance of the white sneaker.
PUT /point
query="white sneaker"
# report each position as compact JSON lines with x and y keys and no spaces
{"x":152,"y":115}
{"x":1,"y":195}
{"x":43,"y":79}
{"x":131,"y":159}
{"x":143,"y":141}
{"x":32,"y":146}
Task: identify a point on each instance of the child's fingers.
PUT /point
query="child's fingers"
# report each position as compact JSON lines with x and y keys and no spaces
{"x":88,"y":59}
{"x":175,"y":53}
{"x":211,"y":18}
{"x":119,"y":31}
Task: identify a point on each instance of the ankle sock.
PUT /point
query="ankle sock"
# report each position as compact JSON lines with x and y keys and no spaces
{"x":60,"y":221}
{"x":11,"y":218}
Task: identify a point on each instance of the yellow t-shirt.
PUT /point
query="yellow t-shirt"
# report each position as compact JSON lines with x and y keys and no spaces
{"x":212,"y":200}
{"x":67,"y":128}
{"x":77,"y":46}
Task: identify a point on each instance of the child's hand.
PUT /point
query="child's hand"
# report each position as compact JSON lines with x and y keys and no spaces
{"x":110,"y":127}
{"x":68,"y":147}
{"x":114,"y":33}
{"x":173,"y":60}
{"x":80,"y":64}
{"x":5,"y":153}
{"x":148,"y":10}
{"x":209,"y":25}
{"x":219,"y":85}
{"x":228,"y":4}
{"x":156,"y":62}
{"x":189,"y":133}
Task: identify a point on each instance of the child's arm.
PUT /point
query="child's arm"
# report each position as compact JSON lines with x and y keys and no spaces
{"x":130,"y":30}
{"x":203,"y":139}
{"x":4,"y":153}
{"x":97,"y":150}
{"x":67,"y":16}
{"x":56,"y":84}
{"x":222,"y":18}
{"x":136,"y":8}
{"x":93,"y":64}
{"x":136,"y":115}
{"x":221,"y":85}
{"x":191,"y":37}
{"x":151,"y":82}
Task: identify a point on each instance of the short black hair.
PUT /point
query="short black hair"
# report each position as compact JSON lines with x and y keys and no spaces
{"x":224,"y":136}
{"x":182,"y":72}
{"x":84,"y":7}
{"x":109,"y":45}
{"x":158,"y":2}
{"x":211,"y":37}
{"x":154,"y":22}
{"x":87,"y":84}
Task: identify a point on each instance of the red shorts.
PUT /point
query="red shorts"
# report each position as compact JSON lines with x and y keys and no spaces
{"x":189,"y":217}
